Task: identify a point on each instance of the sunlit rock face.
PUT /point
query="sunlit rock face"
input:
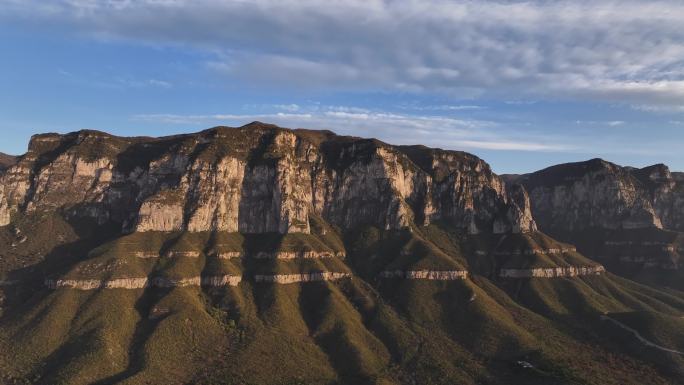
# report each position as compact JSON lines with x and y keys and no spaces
{"x":258,"y":179}
{"x":4,"y":209}
{"x":599,"y":194}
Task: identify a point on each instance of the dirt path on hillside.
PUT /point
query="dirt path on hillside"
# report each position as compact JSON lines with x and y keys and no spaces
{"x":640,"y":337}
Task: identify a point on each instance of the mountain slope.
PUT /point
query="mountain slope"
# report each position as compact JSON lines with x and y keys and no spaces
{"x":265,"y":255}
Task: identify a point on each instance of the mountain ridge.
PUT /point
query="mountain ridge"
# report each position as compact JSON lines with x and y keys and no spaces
{"x":629,"y":218}
{"x":260,"y":254}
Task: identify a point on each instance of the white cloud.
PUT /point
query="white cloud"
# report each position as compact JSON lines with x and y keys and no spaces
{"x":611,"y":123}
{"x":620,"y":51}
{"x":444,"y":107}
{"x":287,"y":107}
{"x":513,"y":146}
{"x":159,"y":83}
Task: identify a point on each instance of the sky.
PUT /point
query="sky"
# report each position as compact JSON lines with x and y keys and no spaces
{"x":523,"y":85}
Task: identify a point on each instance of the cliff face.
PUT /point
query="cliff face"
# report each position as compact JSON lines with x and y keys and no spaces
{"x":256,"y":179}
{"x":599,"y":194}
{"x":630,"y":219}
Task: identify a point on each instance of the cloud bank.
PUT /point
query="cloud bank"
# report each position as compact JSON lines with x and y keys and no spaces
{"x":617,"y":51}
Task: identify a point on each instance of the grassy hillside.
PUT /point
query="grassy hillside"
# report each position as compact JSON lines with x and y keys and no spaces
{"x":359,"y":330}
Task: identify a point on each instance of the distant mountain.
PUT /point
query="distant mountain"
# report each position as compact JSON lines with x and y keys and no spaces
{"x":630,"y":219}
{"x":266,"y":255}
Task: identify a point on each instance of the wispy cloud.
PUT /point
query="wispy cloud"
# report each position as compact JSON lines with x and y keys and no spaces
{"x":445,"y":107}
{"x":287,"y":107}
{"x":159,"y":83}
{"x":437,"y":131}
{"x":610,"y":123}
{"x":674,"y":108}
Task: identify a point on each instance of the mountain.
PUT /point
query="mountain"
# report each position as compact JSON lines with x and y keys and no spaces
{"x":631,"y":220}
{"x":267,"y":255}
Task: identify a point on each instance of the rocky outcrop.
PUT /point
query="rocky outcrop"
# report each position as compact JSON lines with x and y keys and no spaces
{"x":257,"y":179}
{"x":298,"y":254}
{"x":216,"y":192}
{"x":600,"y":194}
{"x":553,"y":250}
{"x":4,"y":209}
{"x":145,"y":254}
{"x":462,"y":189}
{"x":160,"y":213}
{"x":183,"y":254}
{"x":229,"y":254}
{"x":434,"y":275}
{"x":143,"y":282}
{"x":552,"y":272}
{"x":518,"y":218}
{"x":302,"y":277}
{"x":212,"y":280}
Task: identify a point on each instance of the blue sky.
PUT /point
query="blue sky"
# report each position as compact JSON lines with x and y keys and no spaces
{"x":522,"y":84}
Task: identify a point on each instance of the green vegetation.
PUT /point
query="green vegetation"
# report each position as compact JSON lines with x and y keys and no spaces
{"x":363,"y":330}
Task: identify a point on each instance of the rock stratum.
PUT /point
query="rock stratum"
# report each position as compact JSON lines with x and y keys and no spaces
{"x":260,"y":254}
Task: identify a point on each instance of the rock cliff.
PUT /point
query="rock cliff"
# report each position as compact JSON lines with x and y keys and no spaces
{"x":629,"y":219}
{"x":257,"y":178}
{"x":600,"y":194}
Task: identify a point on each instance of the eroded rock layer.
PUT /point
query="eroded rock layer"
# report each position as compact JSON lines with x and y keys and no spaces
{"x":143,"y":282}
{"x":435,"y":275}
{"x":552,"y":272}
{"x":301,"y":277}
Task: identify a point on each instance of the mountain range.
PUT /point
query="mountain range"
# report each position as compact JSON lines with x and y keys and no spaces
{"x":265,"y":255}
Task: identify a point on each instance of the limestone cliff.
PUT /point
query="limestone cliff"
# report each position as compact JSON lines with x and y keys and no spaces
{"x":624,"y":217}
{"x":600,"y":194}
{"x":257,"y":178}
